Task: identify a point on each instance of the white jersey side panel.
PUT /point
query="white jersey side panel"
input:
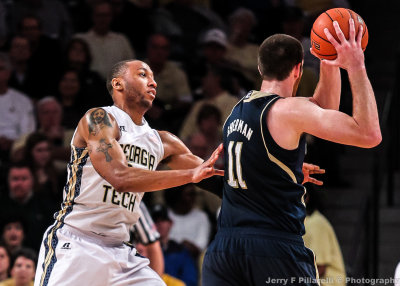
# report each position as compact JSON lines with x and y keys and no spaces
{"x":90,"y":203}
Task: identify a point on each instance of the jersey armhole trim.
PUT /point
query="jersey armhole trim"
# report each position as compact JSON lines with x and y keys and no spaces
{"x":270,"y":156}
{"x":161,"y":144}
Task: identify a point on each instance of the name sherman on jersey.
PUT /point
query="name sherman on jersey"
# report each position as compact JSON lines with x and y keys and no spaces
{"x":135,"y":154}
{"x":240,"y":126}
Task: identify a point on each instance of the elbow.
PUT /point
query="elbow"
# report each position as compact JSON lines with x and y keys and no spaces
{"x":119,"y":182}
{"x":373,"y":139}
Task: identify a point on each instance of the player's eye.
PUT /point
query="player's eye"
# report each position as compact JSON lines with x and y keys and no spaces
{"x":142,"y":74}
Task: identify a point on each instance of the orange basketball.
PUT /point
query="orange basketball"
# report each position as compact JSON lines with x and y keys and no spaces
{"x":320,"y":44}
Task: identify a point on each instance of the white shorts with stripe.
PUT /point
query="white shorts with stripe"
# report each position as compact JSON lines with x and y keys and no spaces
{"x":69,"y":257}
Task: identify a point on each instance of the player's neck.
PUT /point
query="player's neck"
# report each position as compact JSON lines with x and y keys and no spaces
{"x":136,"y":114}
{"x":282,"y":88}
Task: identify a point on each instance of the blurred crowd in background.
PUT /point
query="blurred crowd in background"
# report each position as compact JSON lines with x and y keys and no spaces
{"x":54,"y":58}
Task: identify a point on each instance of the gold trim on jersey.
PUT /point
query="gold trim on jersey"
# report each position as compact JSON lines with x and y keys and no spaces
{"x":302,"y":197}
{"x":270,"y":156}
{"x":257,"y":94}
{"x":67,"y":203}
{"x":316,"y":268}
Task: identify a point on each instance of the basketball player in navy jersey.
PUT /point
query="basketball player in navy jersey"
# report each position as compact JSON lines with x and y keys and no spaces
{"x":260,"y":226}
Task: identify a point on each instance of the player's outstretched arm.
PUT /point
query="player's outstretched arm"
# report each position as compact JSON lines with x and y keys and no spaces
{"x":178,"y":157}
{"x":98,"y":131}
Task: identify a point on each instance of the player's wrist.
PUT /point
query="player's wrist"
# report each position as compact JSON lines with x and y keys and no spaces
{"x":356,"y":68}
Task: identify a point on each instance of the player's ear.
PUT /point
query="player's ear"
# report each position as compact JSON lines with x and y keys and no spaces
{"x":298,"y":69}
{"x":117,"y":84}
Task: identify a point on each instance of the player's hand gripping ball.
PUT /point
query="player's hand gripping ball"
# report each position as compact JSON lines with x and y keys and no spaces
{"x":320,"y":44}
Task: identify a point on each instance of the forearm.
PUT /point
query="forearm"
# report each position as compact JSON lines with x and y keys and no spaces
{"x":156,"y":257}
{"x":139,"y":180}
{"x":365,"y":112}
{"x":327,"y":92}
{"x":364,"y":105}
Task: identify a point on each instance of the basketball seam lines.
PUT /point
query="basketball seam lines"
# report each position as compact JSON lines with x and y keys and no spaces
{"x":325,"y":41}
{"x":320,"y":36}
{"x":329,"y":16}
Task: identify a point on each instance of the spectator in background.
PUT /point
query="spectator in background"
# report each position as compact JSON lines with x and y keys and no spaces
{"x":78,"y":58}
{"x":23,"y":77}
{"x":208,"y":123}
{"x":169,"y":280}
{"x":36,"y":211}
{"x":173,"y":92}
{"x":212,"y":52}
{"x":178,"y":262}
{"x":145,"y":233}
{"x":56,"y":23}
{"x":201,"y":144}
{"x":107,"y":47}
{"x":45,"y":52}
{"x":23,"y":268}
{"x":321,"y":239}
{"x":49,"y":113}
{"x":13,"y":228}
{"x":48,"y":181}
{"x":240,"y":49}
{"x":71,"y":99}
{"x":16,"y":111}
{"x":191,"y":226}
{"x":4,"y":262}
{"x":215,"y":84}
{"x":207,"y":201}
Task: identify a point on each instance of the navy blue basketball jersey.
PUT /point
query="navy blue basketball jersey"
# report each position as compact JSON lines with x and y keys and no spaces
{"x":263,"y":182}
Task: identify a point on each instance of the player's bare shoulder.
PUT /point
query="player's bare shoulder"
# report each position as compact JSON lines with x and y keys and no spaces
{"x":94,"y":123}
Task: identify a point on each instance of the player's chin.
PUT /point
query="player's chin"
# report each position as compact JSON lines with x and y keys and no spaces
{"x":147,"y":103}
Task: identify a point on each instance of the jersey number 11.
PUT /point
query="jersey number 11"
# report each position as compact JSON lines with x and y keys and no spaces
{"x":235,"y":157}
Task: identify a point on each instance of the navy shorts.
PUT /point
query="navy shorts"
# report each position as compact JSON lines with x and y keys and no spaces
{"x":246,"y":257}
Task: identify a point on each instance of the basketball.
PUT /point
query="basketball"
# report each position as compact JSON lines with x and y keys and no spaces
{"x":319,"y":42}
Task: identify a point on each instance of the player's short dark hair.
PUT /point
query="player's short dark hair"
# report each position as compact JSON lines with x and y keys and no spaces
{"x":117,"y":70}
{"x":28,"y":253}
{"x":278,"y":55}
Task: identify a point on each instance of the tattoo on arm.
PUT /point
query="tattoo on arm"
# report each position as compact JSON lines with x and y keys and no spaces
{"x":104,"y":146}
{"x":98,"y":120}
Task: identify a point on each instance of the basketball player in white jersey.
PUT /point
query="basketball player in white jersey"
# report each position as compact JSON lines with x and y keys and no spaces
{"x":114,"y":158}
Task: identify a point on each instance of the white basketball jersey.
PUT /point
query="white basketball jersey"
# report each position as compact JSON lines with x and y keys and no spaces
{"x":91,"y":204}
